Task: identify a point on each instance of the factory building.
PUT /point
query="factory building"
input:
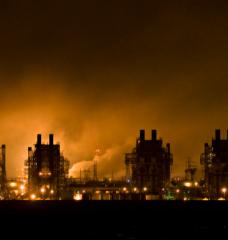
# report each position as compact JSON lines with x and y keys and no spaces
{"x":148,"y":165}
{"x":214,"y":160}
{"x":47,"y":170}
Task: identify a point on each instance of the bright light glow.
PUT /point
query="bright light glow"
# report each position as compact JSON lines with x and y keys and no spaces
{"x":107,"y":192}
{"x":145,"y":189}
{"x":185,"y":199}
{"x":205,"y":199}
{"x":221,"y":199}
{"x":187,"y":184}
{"x":13,"y":184}
{"x":52,"y":191}
{"x":124,"y":189}
{"x":42,"y":190}
{"x":135,"y":189}
{"x":196,"y":184}
{"x":224,"y":190}
{"x":44,"y":174}
{"x":178,"y":190}
{"x":98,"y":151}
{"x":77,"y":196}
{"x":83,"y":191}
{"x":22,"y":187}
{"x":33,"y":196}
{"x":97,"y":192}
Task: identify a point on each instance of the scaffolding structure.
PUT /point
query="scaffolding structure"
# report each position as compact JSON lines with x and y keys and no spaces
{"x":47,"y":169}
{"x":130,"y":163}
{"x":190,"y":170}
{"x":214,"y":160}
{"x":95,"y":160}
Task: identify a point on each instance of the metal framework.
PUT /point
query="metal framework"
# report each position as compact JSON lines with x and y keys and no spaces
{"x":47,"y":169}
{"x":214,"y":160}
{"x":148,"y":165}
{"x":190,"y":170}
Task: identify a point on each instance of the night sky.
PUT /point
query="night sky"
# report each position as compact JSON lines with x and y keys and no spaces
{"x":96,"y":72}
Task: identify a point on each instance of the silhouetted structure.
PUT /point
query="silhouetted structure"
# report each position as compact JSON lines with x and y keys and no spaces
{"x":47,"y":169}
{"x":215,"y":163}
{"x":3,"y":169}
{"x":190,"y":171}
{"x":148,"y":165}
{"x":97,"y":153}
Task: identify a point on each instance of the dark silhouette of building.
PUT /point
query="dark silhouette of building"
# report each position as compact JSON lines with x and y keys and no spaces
{"x":190,"y":171}
{"x":215,"y":164}
{"x":148,"y":165}
{"x":3,"y":169}
{"x":47,"y":169}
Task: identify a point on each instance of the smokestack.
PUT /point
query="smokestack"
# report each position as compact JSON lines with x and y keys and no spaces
{"x":29,"y":153}
{"x":206,"y":146}
{"x":4,"y":162}
{"x":3,"y":152}
{"x":217,"y":134}
{"x":142,"y":135}
{"x":154,"y":135}
{"x":168,"y":147}
{"x":51,"y":139}
{"x":38,"y":139}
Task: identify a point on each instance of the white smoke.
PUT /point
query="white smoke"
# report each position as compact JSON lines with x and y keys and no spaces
{"x":77,"y":168}
{"x":106,"y":166}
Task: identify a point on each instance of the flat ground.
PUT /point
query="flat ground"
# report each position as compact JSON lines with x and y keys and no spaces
{"x":115,"y":219}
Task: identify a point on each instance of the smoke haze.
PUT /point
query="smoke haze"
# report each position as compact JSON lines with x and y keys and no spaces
{"x":95,"y":72}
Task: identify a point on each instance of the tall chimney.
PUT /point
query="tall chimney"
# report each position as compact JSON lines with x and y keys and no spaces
{"x":217,"y":134}
{"x":38,"y":139}
{"x":51,"y":139}
{"x":4,"y":160}
{"x":29,"y":152}
{"x":154,"y":134}
{"x":168,"y":147}
{"x":3,"y":147}
{"x":30,"y":155}
{"x":142,"y":135}
{"x":206,"y":146}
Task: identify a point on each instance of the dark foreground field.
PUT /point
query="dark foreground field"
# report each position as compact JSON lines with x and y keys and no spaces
{"x":115,"y":219}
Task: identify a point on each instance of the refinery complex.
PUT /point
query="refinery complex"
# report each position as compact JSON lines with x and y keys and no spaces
{"x":148,"y":174}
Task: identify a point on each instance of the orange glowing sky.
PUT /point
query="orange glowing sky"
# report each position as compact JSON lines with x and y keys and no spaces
{"x":95,"y":72}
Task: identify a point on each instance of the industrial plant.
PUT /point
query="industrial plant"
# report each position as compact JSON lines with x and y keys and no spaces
{"x":148,"y":174}
{"x":47,"y":169}
{"x":148,"y":165}
{"x":214,"y":160}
